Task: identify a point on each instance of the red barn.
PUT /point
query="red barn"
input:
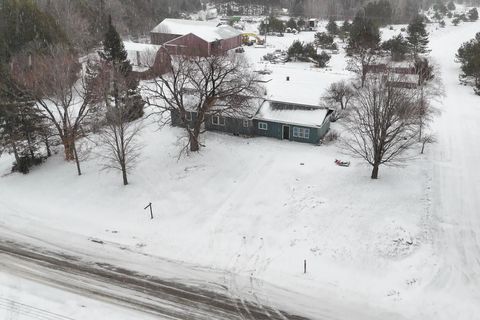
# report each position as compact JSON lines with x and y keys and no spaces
{"x":200,"y":38}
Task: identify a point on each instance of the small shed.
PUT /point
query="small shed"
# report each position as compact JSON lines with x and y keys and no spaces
{"x":292,"y":121}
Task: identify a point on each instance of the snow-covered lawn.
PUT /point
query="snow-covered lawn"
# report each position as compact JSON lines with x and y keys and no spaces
{"x":401,"y":247}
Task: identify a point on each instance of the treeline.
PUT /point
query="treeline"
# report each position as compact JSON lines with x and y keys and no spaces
{"x":85,"y":21}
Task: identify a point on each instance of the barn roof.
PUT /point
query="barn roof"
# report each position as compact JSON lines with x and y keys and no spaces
{"x":206,"y":30}
{"x":302,"y":115}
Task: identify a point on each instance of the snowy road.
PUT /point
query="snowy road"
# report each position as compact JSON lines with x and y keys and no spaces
{"x":456,"y":183}
{"x":166,"y":298}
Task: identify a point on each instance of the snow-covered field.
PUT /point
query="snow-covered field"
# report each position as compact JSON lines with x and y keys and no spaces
{"x":403,"y":247}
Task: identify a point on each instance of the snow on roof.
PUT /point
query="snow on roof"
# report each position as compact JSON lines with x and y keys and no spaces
{"x":141,"y":55}
{"x":206,"y":30}
{"x":309,"y":116}
{"x":141,"y":47}
{"x":248,"y":109}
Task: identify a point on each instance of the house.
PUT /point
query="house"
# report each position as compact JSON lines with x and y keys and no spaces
{"x":399,"y":75}
{"x":200,"y":38}
{"x":292,"y":121}
{"x":275,"y":119}
{"x":312,"y":24}
{"x":222,"y":118}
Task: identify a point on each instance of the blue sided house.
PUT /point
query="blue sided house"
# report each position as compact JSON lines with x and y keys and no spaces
{"x":292,"y":121}
{"x":268,"y":118}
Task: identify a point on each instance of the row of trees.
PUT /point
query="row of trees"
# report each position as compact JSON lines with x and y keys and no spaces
{"x":307,"y":52}
{"x":469,"y":57}
{"x":49,"y":97}
{"x":365,"y":47}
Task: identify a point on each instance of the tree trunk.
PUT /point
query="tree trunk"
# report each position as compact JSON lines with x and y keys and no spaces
{"x":77,"y":160}
{"x":194,"y":145}
{"x":124,"y":175}
{"x":375,"y":171}
{"x":423,"y":147}
{"x":30,"y":145}
{"x":15,"y":153}
{"x":47,"y":146}
{"x":68,"y":145}
{"x":364,"y":76}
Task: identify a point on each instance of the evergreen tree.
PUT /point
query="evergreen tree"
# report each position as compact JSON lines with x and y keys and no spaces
{"x":397,"y":46}
{"x":451,"y":6}
{"x":322,"y":59}
{"x":418,"y":36}
{"x":292,"y":24}
{"x":364,"y":34}
{"x":473,"y":14}
{"x":115,"y":56}
{"x":22,"y":126}
{"x":469,"y":57}
{"x":295,"y":50}
{"x":323,"y":40}
{"x":332,"y":27}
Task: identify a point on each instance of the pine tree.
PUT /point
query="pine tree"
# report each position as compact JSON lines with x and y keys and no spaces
{"x":22,"y":130}
{"x":451,"y":6}
{"x":418,"y":36}
{"x":115,"y":56}
{"x":397,"y":46}
{"x":473,"y":14}
{"x":469,"y":57}
{"x":332,"y":27}
{"x":364,"y":34}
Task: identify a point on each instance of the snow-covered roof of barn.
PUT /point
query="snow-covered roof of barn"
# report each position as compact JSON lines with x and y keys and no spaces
{"x":302,"y":115}
{"x":206,"y":30}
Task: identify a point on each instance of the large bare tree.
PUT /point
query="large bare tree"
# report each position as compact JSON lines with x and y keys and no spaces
{"x":383,"y":122}
{"x":205,"y":86}
{"x":65,"y":93}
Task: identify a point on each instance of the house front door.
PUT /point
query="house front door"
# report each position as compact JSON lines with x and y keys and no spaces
{"x":286,"y":132}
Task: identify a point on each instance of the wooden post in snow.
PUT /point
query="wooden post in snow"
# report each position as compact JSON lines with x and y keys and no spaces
{"x":151,"y":211}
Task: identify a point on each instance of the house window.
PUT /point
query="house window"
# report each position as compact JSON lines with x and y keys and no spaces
{"x":188,"y":116}
{"x":302,"y":133}
{"x":246,"y":123}
{"x":263,"y":126}
{"x":218,"y":121}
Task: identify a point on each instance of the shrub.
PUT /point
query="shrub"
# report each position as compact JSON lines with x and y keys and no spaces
{"x":25,"y":163}
{"x":331,"y":136}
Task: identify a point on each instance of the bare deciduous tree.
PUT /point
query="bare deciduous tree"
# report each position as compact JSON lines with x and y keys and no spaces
{"x":204,"y":86}
{"x":361,"y":62}
{"x":51,"y":79}
{"x":427,"y":139}
{"x":339,"y":94}
{"x":382,"y":123}
{"x":119,"y":139}
{"x":118,"y":134}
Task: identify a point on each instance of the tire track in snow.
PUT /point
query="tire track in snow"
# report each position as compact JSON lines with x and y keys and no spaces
{"x":29,"y":311}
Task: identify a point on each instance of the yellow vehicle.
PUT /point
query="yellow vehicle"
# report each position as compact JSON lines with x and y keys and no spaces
{"x":250,"y":39}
